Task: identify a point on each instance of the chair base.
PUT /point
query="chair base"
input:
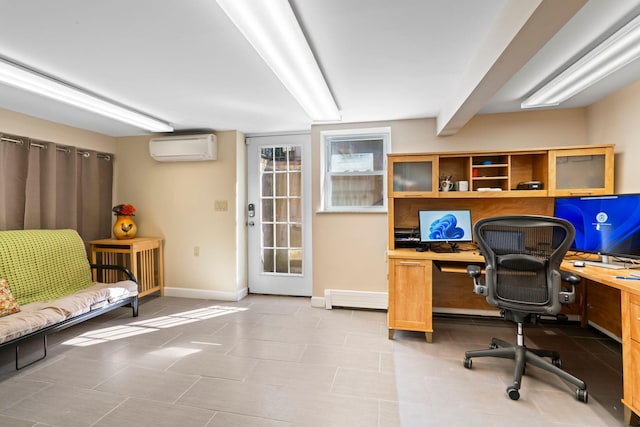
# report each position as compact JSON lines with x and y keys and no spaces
{"x":523,"y":356}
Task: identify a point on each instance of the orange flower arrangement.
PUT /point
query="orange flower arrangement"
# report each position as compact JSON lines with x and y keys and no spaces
{"x":124,"y":209}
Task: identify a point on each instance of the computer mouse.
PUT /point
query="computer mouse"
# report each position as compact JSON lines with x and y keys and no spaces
{"x":578,"y":263}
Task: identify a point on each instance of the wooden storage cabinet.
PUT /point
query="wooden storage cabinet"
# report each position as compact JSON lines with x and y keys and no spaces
{"x":581,"y":171}
{"x":413,"y":176}
{"x":141,"y":255}
{"x":565,"y":171}
{"x":631,"y":355}
{"x":410,"y":296}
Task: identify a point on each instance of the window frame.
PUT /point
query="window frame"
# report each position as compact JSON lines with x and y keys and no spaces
{"x":364,"y":134}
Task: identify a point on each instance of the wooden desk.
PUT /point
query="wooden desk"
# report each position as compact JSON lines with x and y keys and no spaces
{"x":141,"y":255}
{"x":630,"y":320}
{"x":411,"y":292}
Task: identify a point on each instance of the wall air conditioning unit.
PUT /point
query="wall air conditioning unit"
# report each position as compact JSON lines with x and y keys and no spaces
{"x":184,"y":148}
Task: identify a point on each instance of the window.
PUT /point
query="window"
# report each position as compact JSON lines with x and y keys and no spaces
{"x":354,"y":170}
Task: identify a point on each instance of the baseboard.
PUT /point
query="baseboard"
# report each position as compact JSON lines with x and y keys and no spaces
{"x":466,"y":311}
{"x":205,"y":294}
{"x":605,"y":331}
{"x":355,"y":299}
{"x":317,"y":302}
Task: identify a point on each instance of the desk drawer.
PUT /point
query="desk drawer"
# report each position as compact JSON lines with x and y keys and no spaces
{"x":634,"y":317}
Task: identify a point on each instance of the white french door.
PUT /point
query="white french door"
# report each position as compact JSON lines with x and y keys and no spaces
{"x":279,"y":215}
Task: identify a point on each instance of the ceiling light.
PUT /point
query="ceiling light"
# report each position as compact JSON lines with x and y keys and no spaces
{"x":614,"y":53}
{"x":23,"y":78}
{"x":273,"y":31}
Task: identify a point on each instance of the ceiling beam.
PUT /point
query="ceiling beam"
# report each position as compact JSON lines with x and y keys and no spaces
{"x":520,"y":31}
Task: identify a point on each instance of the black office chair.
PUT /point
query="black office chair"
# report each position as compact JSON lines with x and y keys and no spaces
{"x":522,"y":278}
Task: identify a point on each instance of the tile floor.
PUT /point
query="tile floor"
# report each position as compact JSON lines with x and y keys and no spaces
{"x":276,"y":361}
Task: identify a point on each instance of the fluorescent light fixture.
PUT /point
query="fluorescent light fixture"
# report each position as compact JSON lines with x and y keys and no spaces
{"x":23,"y":78}
{"x":614,"y":53}
{"x":273,"y":31}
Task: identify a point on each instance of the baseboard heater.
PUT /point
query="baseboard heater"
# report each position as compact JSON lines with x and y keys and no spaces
{"x":355,"y":299}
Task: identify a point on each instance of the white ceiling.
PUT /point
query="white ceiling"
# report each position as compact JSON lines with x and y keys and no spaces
{"x":183,"y":61}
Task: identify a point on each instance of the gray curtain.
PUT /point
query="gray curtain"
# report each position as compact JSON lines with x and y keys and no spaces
{"x":61,"y":187}
{"x":14,"y":160}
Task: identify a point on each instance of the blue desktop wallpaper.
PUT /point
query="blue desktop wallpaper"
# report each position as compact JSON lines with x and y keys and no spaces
{"x":605,"y":224}
{"x":445,"y":226}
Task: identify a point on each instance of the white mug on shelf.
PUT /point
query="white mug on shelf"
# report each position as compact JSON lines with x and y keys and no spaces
{"x":463,"y":185}
{"x":446,"y":185}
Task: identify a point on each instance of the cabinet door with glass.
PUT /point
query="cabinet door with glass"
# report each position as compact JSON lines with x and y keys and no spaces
{"x":413,"y":176}
{"x":581,"y":172}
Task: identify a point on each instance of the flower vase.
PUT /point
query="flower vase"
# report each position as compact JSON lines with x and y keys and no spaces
{"x":124,"y":227}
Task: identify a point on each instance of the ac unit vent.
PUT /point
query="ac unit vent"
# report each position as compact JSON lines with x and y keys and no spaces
{"x":184,"y":148}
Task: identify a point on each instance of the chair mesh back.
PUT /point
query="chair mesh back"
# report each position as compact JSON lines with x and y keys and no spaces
{"x":521,"y":254}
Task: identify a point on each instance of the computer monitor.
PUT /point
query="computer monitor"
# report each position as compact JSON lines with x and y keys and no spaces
{"x":445,"y":226}
{"x":607,"y":225}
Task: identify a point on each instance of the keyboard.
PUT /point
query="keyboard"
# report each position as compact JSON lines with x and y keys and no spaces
{"x":605,"y":265}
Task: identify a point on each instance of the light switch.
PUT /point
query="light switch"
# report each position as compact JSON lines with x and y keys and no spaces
{"x":221,"y":205}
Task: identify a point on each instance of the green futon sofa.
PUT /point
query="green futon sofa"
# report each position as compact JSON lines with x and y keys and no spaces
{"x":46,"y":285}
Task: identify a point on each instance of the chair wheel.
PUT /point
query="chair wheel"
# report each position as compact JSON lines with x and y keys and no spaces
{"x":582,"y":395}
{"x":493,"y":346}
{"x":513,"y":393}
{"x":557,"y":362}
{"x":467,"y":363}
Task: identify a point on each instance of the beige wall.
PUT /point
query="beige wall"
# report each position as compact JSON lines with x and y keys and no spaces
{"x":349,"y":249}
{"x":23,"y":125}
{"x":614,"y":120}
{"x":176,"y":201}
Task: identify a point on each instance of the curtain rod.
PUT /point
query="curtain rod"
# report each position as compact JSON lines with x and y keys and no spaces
{"x":63,"y":149}
{"x":15,"y":141}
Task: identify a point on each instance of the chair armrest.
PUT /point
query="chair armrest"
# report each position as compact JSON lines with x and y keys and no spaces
{"x":478,"y":286}
{"x":125,"y":270}
{"x":568,"y":296}
{"x":474,"y":271}
{"x":569,"y":277}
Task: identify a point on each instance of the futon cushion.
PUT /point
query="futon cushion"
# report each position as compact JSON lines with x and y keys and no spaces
{"x":43,"y":265}
{"x":30,"y":318}
{"x":8,"y":304}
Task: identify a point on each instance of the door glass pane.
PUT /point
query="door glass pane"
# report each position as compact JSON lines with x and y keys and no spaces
{"x":267,"y":260}
{"x":281,"y":184}
{"x":282,"y":211}
{"x":281,"y":181}
{"x":295,"y":210}
{"x":267,"y":184}
{"x":295,"y":257}
{"x":267,"y":235}
{"x":266,"y":159}
{"x":295,"y":183}
{"x":295,"y":235}
{"x":282,"y":236}
{"x":267,"y":209}
{"x":282,"y":261}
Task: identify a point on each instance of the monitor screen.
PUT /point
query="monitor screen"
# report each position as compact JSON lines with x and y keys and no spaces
{"x":445,"y":226}
{"x":609,"y":225}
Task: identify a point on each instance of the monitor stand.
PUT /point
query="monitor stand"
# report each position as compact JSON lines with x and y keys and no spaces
{"x":608,"y":262}
{"x":453,"y":247}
